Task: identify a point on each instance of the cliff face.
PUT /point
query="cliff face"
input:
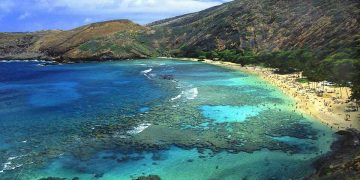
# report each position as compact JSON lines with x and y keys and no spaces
{"x":19,"y":45}
{"x":244,"y":25}
{"x":260,"y":25}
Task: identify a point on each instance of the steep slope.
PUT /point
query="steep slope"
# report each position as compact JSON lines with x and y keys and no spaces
{"x":118,"y":39}
{"x":105,"y":40}
{"x":19,"y":45}
{"x":260,"y":25}
{"x":326,"y":27}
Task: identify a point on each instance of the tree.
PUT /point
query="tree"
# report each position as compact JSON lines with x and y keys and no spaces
{"x":355,"y":87}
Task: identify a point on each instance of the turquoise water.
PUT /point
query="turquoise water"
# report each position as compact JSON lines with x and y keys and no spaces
{"x":221,"y":114}
{"x":175,"y":119}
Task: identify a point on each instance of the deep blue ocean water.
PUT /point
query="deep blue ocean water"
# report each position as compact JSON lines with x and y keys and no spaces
{"x":51,"y":114}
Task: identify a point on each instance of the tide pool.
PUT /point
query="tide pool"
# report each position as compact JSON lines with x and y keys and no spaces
{"x":175,"y":119}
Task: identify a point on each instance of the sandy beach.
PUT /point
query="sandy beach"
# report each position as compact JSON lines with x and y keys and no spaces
{"x":329,"y":107}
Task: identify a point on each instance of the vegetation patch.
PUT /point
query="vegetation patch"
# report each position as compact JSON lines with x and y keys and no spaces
{"x":341,"y":67}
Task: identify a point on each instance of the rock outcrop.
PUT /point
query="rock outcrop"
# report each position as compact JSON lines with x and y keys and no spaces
{"x":343,"y":162}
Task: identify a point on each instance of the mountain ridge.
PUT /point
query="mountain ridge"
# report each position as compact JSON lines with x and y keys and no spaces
{"x":241,"y":25}
{"x":71,"y":45}
{"x":268,"y":25}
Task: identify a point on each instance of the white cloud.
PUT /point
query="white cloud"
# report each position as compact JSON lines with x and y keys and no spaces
{"x":88,"y":20}
{"x":6,"y":6}
{"x":98,"y":7}
{"x":66,"y":14}
{"x":24,"y":16}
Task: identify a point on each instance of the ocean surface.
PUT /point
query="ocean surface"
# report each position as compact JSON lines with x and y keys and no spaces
{"x":175,"y":119}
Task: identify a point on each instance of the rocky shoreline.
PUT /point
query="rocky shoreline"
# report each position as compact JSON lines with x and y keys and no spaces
{"x":343,"y":161}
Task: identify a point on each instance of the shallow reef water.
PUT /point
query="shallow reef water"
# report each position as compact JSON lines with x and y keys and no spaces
{"x":223,"y":114}
{"x":125,"y":119}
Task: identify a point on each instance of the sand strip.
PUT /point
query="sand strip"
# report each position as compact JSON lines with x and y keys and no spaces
{"x":329,"y":107}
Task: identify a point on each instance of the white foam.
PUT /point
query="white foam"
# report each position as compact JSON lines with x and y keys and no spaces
{"x":9,"y":61}
{"x":9,"y":165}
{"x":177,"y":97}
{"x":149,"y":77}
{"x":152,"y":75}
{"x":146,"y":71}
{"x":191,"y":93}
{"x":140,"y":128}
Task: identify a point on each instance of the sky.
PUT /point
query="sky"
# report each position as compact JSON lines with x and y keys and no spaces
{"x":35,"y":15}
